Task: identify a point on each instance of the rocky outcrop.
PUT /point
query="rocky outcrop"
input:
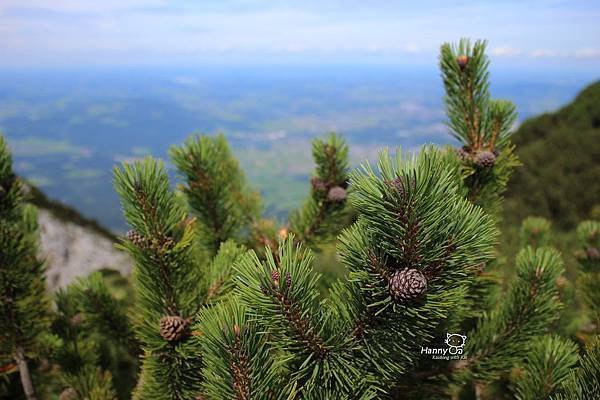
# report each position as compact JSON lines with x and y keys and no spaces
{"x":74,"y":250}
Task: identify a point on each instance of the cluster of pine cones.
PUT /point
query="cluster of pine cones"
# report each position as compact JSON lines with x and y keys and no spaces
{"x":335,"y":194}
{"x":481,"y":158}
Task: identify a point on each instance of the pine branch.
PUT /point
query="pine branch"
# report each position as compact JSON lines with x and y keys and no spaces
{"x":530,"y":306}
{"x":24,"y":306}
{"x":216,"y":189}
{"x":465,"y":75}
{"x":81,"y":354}
{"x":535,"y":232}
{"x":218,"y":279}
{"x":238,"y":363}
{"x":324,"y":212}
{"x":483,"y":126}
{"x":165,"y":279}
{"x":547,"y":363}
{"x":102,"y":313}
{"x":588,"y":283}
{"x":583,"y":383}
{"x":283,"y":294}
{"x":89,"y":383}
{"x":413,"y":224}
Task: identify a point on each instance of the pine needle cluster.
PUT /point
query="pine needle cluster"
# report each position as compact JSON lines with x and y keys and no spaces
{"x":227,"y":304}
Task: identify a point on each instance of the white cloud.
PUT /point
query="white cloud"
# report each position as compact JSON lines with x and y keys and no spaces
{"x":412,"y":47}
{"x":588,"y":53}
{"x":105,"y":31}
{"x":544,"y":53}
{"x":505,"y":51}
{"x":79,"y":6}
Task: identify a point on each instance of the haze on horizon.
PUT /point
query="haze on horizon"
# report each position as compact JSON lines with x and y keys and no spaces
{"x":65,"y":33}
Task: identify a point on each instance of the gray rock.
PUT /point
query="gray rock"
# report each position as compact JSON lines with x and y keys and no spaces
{"x":73,"y":251}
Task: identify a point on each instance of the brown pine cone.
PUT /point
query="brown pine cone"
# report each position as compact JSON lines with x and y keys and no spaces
{"x":462,"y":61}
{"x":593,"y":253}
{"x":407,"y":284}
{"x":318,"y":185}
{"x":463,"y":153}
{"x":172,"y":327}
{"x":485,"y":159}
{"x":275,"y":278}
{"x":337,"y":194}
{"x":134,"y":237}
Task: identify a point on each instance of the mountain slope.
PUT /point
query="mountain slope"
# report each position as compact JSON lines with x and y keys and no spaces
{"x":560,"y":177}
{"x":72,"y":245}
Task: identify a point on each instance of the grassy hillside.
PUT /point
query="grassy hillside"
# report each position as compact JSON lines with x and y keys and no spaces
{"x":560,"y":178}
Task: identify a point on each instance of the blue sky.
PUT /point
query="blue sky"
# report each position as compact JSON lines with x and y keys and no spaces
{"x":157,"y":32}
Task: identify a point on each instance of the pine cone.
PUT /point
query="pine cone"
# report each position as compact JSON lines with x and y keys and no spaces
{"x":134,"y":237}
{"x":593,"y":253}
{"x":274,"y":275}
{"x":485,"y":159}
{"x":264,"y":290}
{"x":68,"y":394}
{"x":462,"y":61}
{"x":77,"y":319}
{"x":398,"y":184}
{"x":318,"y":185}
{"x":407,"y":284}
{"x":275,"y":278}
{"x":337,"y":194}
{"x":463,"y":153}
{"x":172,"y":327}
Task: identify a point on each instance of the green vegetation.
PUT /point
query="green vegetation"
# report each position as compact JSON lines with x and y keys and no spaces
{"x":561,"y":175}
{"x":229,"y":304}
{"x":24,"y":306}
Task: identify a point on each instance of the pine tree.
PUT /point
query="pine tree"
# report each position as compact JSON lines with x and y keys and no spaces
{"x":583,"y":383}
{"x":228,"y":306}
{"x":81,"y":376}
{"x":481,"y":124}
{"x":324,"y":212}
{"x":549,"y":363}
{"x":215,"y":189}
{"x":165,"y":279}
{"x":24,"y":306}
{"x":96,"y":341}
{"x":424,"y":232}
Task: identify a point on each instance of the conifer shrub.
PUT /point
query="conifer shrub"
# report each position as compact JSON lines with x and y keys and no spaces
{"x":228,"y":304}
